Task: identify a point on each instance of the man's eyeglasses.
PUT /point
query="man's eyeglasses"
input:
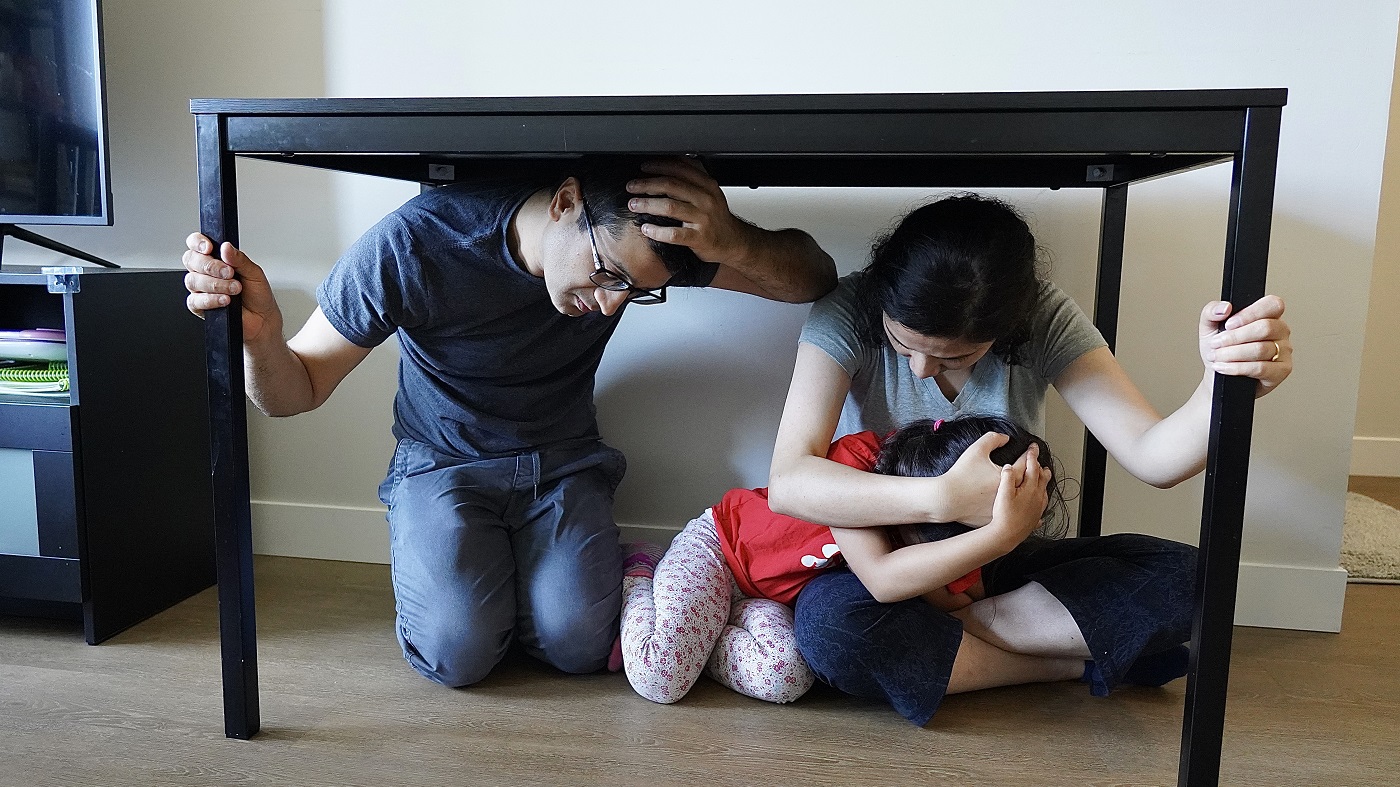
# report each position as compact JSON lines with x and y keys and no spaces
{"x":608,"y":279}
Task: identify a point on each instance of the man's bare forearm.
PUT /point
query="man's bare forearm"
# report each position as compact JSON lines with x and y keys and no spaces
{"x":276,"y":380}
{"x":788,"y":264}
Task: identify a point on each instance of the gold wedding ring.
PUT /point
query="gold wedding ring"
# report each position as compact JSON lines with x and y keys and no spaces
{"x":1277,"y":350}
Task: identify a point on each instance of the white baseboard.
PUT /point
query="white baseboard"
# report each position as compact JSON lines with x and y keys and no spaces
{"x":1270,"y":596}
{"x":359,"y":535}
{"x":1290,"y":597}
{"x":1375,"y":456}
{"x":656,"y":534}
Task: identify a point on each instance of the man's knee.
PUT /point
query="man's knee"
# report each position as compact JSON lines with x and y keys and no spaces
{"x":451,"y":656}
{"x":576,"y":660}
{"x":570,"y":585}
{"x":575,"y":642}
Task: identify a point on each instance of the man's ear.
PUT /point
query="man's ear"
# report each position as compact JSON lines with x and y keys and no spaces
{"x":567,"y":197}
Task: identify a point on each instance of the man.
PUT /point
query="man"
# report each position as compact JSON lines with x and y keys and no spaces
{"x":503,"y":296}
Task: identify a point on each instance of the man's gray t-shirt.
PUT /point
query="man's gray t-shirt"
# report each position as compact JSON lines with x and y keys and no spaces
{"x":488,"y":367}
{"x":886,"y":395}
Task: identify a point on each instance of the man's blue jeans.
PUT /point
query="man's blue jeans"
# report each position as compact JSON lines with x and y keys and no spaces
{"x":488,"y":550}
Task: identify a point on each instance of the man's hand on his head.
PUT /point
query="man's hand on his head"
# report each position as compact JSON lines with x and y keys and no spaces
{"x":782,"y":265}
{"x":681,"y":189}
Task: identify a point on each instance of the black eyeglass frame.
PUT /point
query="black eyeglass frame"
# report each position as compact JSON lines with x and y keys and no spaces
{"x":612,"y":281}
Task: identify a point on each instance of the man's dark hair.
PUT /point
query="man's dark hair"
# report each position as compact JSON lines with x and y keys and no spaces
{"x":963,"y":267}
{"x":921,"y":450}
{"x":603,"y":180}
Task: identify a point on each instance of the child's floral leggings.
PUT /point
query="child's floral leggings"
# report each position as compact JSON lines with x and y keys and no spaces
{"x":692,"y":616}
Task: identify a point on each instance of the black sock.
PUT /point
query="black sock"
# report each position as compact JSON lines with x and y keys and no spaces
{"x":1094,"y":677}
{"x":1160,"y":668}
{"x":1154,"y":669}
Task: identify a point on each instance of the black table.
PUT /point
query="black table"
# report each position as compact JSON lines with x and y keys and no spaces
{"x":1103,"y":140}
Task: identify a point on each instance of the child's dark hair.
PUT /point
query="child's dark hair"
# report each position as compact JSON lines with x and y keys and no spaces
{"x":929,"y":448}
{"x":603,"y":180}
{"x":963,"y":267}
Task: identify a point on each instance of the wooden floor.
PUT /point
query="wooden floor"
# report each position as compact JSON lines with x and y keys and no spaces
{"x":1384,"y":489}
{"x":340,"y":707}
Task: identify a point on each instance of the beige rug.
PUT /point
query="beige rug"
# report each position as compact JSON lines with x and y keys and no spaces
{"x":1370,"y":540}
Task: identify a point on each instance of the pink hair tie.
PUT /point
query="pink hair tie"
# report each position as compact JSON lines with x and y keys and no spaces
{"x":937,"y":424}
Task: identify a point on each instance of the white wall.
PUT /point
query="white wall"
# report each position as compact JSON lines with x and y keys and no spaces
{"x":692,"y":391}
{"x":1376,"y":446}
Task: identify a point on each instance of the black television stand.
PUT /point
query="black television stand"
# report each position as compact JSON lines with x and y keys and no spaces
{"x":47,"y":243}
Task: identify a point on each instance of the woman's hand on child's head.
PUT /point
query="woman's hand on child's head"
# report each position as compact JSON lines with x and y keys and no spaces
{"x":971,"y":483}
{"x":1252,"y":343}
{"x":1022,"y":494}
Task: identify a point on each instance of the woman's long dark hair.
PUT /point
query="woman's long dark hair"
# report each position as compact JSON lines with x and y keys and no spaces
{"x":921,"y":450}
{"x":963,"y":267}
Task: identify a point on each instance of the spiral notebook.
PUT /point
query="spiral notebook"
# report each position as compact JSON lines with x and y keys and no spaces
{"x":34,"y":378}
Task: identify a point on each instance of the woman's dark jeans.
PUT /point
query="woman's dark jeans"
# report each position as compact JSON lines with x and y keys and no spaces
{"x":1130,"y":595}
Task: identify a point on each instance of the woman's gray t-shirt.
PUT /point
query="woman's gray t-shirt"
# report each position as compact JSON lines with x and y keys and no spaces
{"x":886,"y":395}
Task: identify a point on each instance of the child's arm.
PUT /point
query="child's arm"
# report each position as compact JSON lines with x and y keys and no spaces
{"x":892,"y":574}
{"x":969,"y":590}
{"x":942,"y":598}
{"x":804,"y":483}
{"x":897,"y":574}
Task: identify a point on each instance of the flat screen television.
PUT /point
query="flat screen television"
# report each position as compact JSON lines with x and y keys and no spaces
{"x":53,"y":119}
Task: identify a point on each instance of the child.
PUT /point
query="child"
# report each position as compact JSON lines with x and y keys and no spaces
{"x":1133,"y":585}
{"x":720,"y":598}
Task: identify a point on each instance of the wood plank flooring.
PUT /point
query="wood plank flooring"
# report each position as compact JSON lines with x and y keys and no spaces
{"x":340,"y":707}
{"x":1384,"y":489}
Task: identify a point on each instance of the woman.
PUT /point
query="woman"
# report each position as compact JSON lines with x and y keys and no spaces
{"x":951,"y":317}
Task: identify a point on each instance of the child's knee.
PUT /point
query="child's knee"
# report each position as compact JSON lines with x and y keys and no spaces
{"x":786,"y":688}
{"x":659,"y":692}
